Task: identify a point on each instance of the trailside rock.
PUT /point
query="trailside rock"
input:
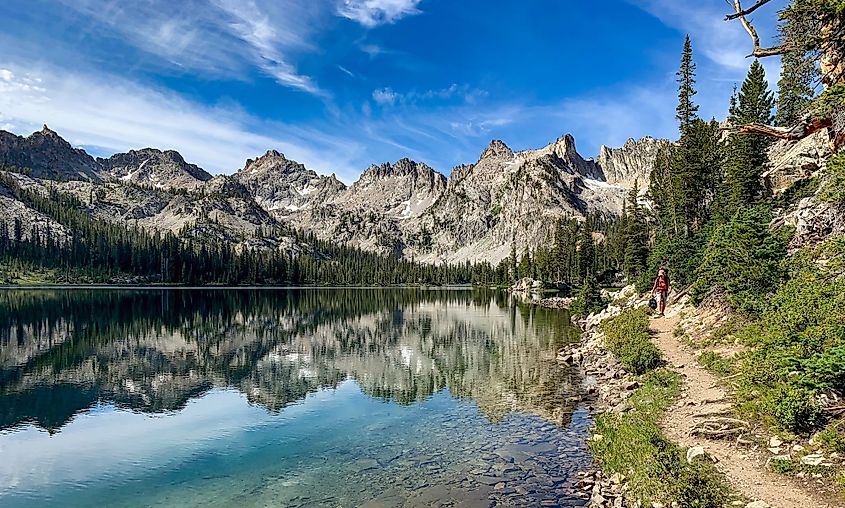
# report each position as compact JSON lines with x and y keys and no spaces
{"x":790,"y":161}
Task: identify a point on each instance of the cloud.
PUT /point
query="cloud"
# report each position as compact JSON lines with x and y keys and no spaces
{"x":112,"y":114}
{"x":371,"y":13}
{"x":388,"y":97}
{"x":217,"y":37}
{"x":478,"y":127}
{"x":722,"y":42}
{"x":385,"y":96}
{"x":346,"y":71}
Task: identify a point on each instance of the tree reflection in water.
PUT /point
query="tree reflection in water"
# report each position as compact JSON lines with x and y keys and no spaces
{"x":63,"y":352}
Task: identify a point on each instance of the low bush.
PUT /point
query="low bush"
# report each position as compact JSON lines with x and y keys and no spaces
{"x":627,"y":336}
{"x":831,"y":439}
{"x":798,"y":345}
{"x":833,"y":189}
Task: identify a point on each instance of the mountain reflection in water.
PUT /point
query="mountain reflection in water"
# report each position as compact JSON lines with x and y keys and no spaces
{"x":63,"y":352}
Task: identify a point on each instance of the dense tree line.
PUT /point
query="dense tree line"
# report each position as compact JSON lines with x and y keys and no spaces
{"x":97,"y":250}
{"x":576,"y":249}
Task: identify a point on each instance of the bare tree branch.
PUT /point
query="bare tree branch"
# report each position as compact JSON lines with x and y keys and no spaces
{"x":806,"y":127}
{"x":747,"y":11}
{"x":758,"y":50}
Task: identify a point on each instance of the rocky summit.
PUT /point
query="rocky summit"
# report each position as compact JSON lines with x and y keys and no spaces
{"x":405,"y":208}
{"x":633,"y":162}
{"x":154,"y":167}
{"x":47,"y":155}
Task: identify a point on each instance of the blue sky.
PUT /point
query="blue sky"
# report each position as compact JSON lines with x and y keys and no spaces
{"x":341,"y":84}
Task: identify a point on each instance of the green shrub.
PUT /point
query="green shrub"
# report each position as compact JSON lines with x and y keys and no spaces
{"x":783,"y":466}
{"x":627,"y":336}
{"x":830,"y":439}
{"x":833,"y":189}
{"x":798,"y":345}
{"x":794,"y":409}
{"x":743,"y":257}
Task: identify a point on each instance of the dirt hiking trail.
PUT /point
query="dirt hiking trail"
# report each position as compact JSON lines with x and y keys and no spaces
{"x":705,"y":402}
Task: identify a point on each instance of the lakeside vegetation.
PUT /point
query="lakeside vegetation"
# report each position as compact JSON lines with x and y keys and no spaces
{"x":656,"y":469}
{"x":712,"y":223}
{"x":632,"y":443}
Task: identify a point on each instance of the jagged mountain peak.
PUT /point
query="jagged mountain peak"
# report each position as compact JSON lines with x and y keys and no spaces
{"x":285,"y":186}
{"x":564,"y":149}
{"x":497,"y":148}
{"x":274,"y":161}
{"x":151,"y":166}
{"x":402,"y":167}
{"x":46,"y":131}
{"x":633,"y":162}
{"x":48,"y":155}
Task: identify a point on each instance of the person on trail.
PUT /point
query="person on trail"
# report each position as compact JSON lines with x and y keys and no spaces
{"x":661,"y":289}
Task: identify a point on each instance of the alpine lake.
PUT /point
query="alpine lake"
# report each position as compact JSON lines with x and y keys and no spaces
{"x":286,"y":397}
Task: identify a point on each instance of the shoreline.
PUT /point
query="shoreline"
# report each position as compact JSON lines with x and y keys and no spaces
{"x":213,"y":287}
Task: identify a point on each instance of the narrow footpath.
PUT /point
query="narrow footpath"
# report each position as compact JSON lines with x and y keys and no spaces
{"x":705,"y":403}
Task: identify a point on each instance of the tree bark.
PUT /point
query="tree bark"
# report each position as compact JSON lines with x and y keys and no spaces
{"x":799,"y":131}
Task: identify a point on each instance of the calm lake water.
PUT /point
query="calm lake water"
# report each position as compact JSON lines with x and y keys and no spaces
{"x":342,"y":397}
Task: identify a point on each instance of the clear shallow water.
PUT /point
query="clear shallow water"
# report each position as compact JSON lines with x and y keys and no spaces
{"x":284,"y":398}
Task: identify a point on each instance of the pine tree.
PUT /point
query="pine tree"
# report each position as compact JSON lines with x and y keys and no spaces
{"x":747,"y":155}
{"x":687,"y":110}
{"x":694,"y":175}
{"x":525,"y":268}
{"x":586,"y":252}
{"x":795,"y":86}
{"x":636,"y":237}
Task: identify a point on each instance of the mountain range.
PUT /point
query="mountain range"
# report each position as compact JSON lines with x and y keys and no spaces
{"x":404,"y":208}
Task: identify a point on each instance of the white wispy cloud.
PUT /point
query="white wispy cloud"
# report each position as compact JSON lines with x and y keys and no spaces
{"x":385,"y":96}
{"x":371,"y":13}
{"x":219,"y":37}
{"x":723,"y":43}
{"x":112,"y":114}
{"x":388,"y":97}
{"x":346,"y":71}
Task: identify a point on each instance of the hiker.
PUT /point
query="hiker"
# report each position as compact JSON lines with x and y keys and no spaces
{"x":661,"y":289}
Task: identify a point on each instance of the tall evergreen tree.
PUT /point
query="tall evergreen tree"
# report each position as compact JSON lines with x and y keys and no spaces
{"x":795,"y":86}
{"x":636,"y":237}
{"x":525,"y":267}
{"x":586,"y":252}
{"x":687,"y":110}
{"x":694,"y":175}
{"x":747,"y":155}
